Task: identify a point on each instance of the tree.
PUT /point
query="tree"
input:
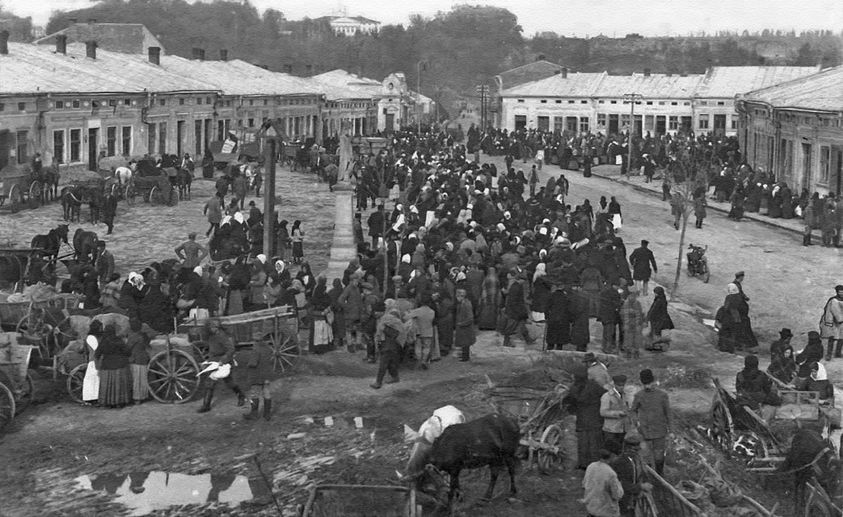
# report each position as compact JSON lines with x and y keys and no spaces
{"x":806,"y":56}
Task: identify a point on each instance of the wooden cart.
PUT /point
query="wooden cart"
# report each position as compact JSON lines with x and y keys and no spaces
{"x":19,"y":187}
{"x":539,"y":413}
{"x":38,"y":320}
{"x":278,"y":325}
{"x":16,"y":387}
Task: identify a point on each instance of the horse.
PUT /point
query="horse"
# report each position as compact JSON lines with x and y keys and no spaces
{"x":85,"y":243}
{"x":124,"y":174}
{"x":51,"y":243}
{"x":71,"y":203}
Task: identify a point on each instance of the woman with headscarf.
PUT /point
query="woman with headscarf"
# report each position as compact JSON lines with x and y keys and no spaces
{"x":783,"y":366}
{"x":115,"y":379}
{"x":336,"y":317}
{"x":282,"y":240}
{"x":490,"y":301}
{"x":753,"y":387}
{"x":238,"y":281}
{"x":257,"y":282}
{"x":540,"y":293}
{"x":297,"y":237}
{"x":805,"y":359}
{"x":308,"y":281}
{"x":91,"y":381}
{"x":658,"y":316}
{"x":320,"y":332}
{"x":444,"y":306}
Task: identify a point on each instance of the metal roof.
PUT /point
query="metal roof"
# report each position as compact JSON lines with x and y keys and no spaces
{"x":574,"y":85}
{"x":822,"y":91}
{"x":363,"y":86}
{"x":535,"y":71}
{"x":726,"y":81}
{"x":39,"y":69}
{"x":652,"y":86}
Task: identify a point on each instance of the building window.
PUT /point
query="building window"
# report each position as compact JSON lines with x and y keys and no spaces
{"x":703,"y":103}
{"x":21,"y":106}
{"x":704,"y":121}
{"x":266,"y":102}
{"x":151,"y":138}
{"x":75,"y":145}
{"x":112,"y":103}
{"x":673,"y":123}
{"x":126,"y":141}
{"x":721,"y":103}
{"x":601,"y":102}
{"x":570,"y":101}
{"x":674,"y":103}
{"x":162,"y":102}
{"x":76,"y":104}
{"x":521,"y":101}
{"x":251,"y":122}
{"x":649,"y":103}
{"x":734,"y":122}
{"x":59,"y":105}
{"x":558,"y":124}
{"x":583,"y":102}
{"x":825,"y":164}
{"x":111,"y":140}
{"x":207,"y":100}
{"x":2,"y":107}
{"x":583,"y":124}
{"x":543,"y":101}
{"x":649,"y":122}
{"x":58,"y":146}
{"x":601,"y":119}
{"x":127,"y":102}
{"x":181,"y":101}
{"x":558,"y":101}
{"x":686,"y":103}
{"x":22,"y":146}
{"x":198,"y":101}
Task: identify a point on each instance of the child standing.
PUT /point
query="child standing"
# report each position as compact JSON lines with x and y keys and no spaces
{"x":258,"y":373}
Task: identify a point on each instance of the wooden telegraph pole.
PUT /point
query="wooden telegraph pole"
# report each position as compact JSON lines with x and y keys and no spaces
{"x":270,"y":145}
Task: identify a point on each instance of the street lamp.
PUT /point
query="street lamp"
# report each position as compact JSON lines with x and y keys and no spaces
{"x":418,"y":91}
{"x":632,"y":99}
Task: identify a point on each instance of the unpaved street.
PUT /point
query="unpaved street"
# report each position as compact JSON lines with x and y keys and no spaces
{"x":65,"y":459}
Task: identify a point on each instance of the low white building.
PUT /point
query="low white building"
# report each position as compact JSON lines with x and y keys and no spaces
{"x":351,"y":25}
{"x":599,"y":102}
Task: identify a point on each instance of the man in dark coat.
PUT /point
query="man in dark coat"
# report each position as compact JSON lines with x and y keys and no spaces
{"x":376,"y":225}
{"x":583,"y":399}
{"x":630,"y":471}
{"x":109,"y":211}
{"x":607,"y":314}
{"x":641,"y":259}
{"x":515,"y":309}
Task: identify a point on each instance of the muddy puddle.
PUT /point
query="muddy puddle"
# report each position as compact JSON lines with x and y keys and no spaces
{"x":145,"y":492}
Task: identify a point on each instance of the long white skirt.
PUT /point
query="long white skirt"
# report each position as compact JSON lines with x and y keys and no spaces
{"x":91,"y":383}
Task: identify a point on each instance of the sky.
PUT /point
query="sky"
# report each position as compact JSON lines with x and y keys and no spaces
{"x":565,"y":17}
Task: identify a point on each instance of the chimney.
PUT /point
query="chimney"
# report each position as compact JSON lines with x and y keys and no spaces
{"x":564,"y":72}
{"x":61,"y":44}
{"x":92,"y":20}
{"x":198,"y":54}
{"x":91,"y":49}
{"x":155,"y":55}
{"x":646,"y":72}
{"x":4,"y":42}
{"x":223,"y":54}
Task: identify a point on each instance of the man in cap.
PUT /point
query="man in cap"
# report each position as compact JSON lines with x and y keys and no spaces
{"x":630,"y":470}
{"x":652,"y":410}
{"x":738,"y":281}
{"x":778,"y":346}
{"x":615,"y":413}
{"x":190,"y":252}
{"x":641,"y":259}
{"x":221,"y":350}
{"x":831,"y":323}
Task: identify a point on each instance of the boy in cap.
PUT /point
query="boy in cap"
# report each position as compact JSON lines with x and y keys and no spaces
{"x":614,"y":410}
{"x":652,"y":410}
{"x":630,"y":470}
{"x":602,"y":488}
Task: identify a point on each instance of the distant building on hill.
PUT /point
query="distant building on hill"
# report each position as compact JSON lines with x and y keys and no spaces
{"x":351,"y":25}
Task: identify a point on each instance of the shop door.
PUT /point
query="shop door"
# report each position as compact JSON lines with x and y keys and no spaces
{"x":544,"y":123}
{"x":719,"y":125}
{"x":180,"y":138}
{"x":807,"y":180}
{"x":520,"y":122}
{"x":390,"y":122}
{"x":571,"y":124}
{"x":661,"y":124}
{"x":93,"y":139}
{"x":613,"y":124}
{"x":836,"y":174}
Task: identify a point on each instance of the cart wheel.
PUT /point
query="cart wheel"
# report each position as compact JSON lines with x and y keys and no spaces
{"x":74,"y":383}
{"x":7,"y":406}
{"x":129,"y":195}
{"x":285,"y":350}
{"x":172,"y":377}
{"x":153,"y":197}
{"x":547,"y":460}
{"x":706,"y":273}
{"x":34,"y":327}
{"x":36,"y":191}
{"x":721,"y":426}
{"x":15,"y":198}
{"x":25,"y":394}
{"x":645,"y":506}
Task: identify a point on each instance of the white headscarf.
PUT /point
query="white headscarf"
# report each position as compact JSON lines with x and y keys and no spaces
{"x":198,"y":270}
{"x":732,"y":289}
{"x":238,"y":217}
{"x":136,"y":280}
{"x":279,"y":266}
{"x":225,"y":220}
{"x":262,"y":258}
{"x":405,"y":258}
{"x":819,"y":374}
{"x":540,"y":271}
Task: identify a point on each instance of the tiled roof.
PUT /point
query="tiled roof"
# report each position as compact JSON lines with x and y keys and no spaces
{"x":726,"y":81}
{"x":655,"y":86}
{"x":574,"y":85}
{"x":534,"y":71}
{"x":38,"y":69}
{"x":822,"y":91}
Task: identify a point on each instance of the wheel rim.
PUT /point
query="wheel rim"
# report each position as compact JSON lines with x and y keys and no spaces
{"x":35,"y":191}
{"x":172,"y":377}
{"x":75,"y":380}
{"x":7,"y":406}
{"x":547,"y":460}
{"x":14,"y":198}
{"x":285,"y":351}
{"x":130,"y":195}
{"x":152,"y":198}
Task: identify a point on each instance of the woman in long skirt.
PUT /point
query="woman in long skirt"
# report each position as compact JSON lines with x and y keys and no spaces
{"x":115,"y":377}
{"x":444,"y":320}
{"x":91,"y":382}
{"x":297,"y":236}
{"x":321,"y":336}
{"x":138,"y":344}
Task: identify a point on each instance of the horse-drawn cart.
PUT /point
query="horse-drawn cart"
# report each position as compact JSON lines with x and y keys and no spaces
{"x":278,"y":325}
{"x":539,"y":414}
{"x":19,"y":186}
{"x":16,"y":388}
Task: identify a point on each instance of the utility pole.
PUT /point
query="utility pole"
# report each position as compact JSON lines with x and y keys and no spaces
{"x":483,"y":90}
{"x":418,"y":92}
{"x":269,"y":154}
{"x":632,"y":99}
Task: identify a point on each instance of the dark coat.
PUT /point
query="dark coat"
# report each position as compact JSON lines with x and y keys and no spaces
{"x":584,"y":400}
{"x":641,"y":259}
{"x":658,"y":317}
{"x":610,"y":303}
{"x":259,"y":368}
{"x":112,"y":353}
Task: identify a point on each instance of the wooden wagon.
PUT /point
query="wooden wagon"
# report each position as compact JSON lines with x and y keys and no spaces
{"x":539,"y":414}
{"x":278,"y":325}
{"x":16,"y":388}
{"x":19,"y":187}
{"x":361,"y":501}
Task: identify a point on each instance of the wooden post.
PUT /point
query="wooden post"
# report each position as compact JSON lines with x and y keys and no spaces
{"x":269,"y":195}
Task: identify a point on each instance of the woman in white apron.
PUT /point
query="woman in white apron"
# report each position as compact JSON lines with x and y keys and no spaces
{"x":91,"y":382}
